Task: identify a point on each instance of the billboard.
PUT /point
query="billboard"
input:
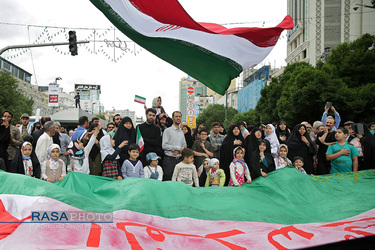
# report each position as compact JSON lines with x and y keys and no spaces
{"x":53,"y":95}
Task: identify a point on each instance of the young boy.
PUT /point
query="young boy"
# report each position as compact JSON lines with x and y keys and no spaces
{"x":185,"y":171}
{"x":132,"y":167}
{"x":298,"y":164}
{"x":202,"y":148}
{"x":343,"y":156}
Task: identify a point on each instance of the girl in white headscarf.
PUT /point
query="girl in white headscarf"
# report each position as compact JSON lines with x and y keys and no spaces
{"x":25,"y":161}
{"x":271,"y":136}
{"x":53,"y":169}
{"x":281,"y":160}
{"x":215,"y":176}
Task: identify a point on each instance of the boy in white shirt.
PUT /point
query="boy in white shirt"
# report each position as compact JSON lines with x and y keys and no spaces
{"x":185,"y":171}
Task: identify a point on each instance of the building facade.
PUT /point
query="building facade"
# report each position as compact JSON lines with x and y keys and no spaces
{"x":24,"y":84}
{"x":321,"y":25}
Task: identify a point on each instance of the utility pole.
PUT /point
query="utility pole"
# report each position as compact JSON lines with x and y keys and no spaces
{"x":21,"y":46}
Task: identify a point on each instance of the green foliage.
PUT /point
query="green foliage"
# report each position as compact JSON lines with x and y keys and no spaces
{"x":353,"y":62}
{"x":11,"y":98}
{"x":216,"y":113}
{"x":347,"y":80}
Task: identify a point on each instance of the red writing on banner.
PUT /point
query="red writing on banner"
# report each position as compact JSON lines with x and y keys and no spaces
{"x":159,"y":235}
{"x":285,"y":231}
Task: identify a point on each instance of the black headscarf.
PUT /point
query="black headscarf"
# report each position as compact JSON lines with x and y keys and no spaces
{"x":124,"y":134}
{"x":95,"y":149}
{"x":296,"y":147}
{"x":188,"y":138}
{"x":280,"y":132}
{"x":252,"y":144}
{"x":368,"y":147}
{"x":256,"y":165}
{"x":226,"y":150}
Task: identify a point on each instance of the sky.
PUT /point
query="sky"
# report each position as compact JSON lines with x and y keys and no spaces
{"x":137,"y":72}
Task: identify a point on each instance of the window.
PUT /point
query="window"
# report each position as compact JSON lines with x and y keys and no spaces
{"x":6,"y":65}
{"x":304,"y":54}
{"x":28,"y":78}
{"x":15,"y":71}
{"x":21,"y":75}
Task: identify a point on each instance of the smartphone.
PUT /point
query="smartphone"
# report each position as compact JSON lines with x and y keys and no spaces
{"x":329,"y":105}
{"x":360,"y":129}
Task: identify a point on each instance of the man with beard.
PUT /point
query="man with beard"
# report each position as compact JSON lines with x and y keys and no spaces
{"x":324,"y":139}
{"x":151,"y":136}
{"x":116,"y":121}
{"x":173,"y":144}
{"x":161,"y":121}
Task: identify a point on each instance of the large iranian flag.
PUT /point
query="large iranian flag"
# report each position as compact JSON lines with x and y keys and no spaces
{"x":287,"y":209}
{"x":209,"y":52}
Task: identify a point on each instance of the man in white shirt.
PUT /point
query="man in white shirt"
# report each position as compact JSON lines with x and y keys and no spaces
{"x":44,"y":141}
{"x":173,"y":144}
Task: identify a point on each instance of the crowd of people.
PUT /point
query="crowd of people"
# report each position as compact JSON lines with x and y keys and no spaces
{"x":165,"y":148}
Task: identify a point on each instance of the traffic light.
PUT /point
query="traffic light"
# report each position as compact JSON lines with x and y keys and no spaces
{"x":73,"y":43}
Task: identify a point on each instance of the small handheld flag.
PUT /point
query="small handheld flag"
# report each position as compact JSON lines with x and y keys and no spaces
{"x":140,"y":99}
{"x":139,"y":140}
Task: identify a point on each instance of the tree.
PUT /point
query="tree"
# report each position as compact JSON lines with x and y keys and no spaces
{"x":11,"y":98}
{"x":353,"y":62}
{"x":216,"y":113}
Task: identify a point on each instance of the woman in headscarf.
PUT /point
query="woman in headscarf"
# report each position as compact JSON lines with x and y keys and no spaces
{"x":270,"y":135}
{"x":156,"y":104}
{"x":253,"y":141}
{"x":96,"y":167}
{"x":188,"y":137}
{"x":125,"y":132}
{"x":282,"y":132}
{"x":262,"y":161}
{"x":25,"y":161}
{"x":300,"y":144}
{"x":233,"y":139}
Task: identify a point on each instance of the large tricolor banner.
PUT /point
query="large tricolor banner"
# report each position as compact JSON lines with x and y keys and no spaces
{"x":285,"y":210}
{"x":209,"y":52}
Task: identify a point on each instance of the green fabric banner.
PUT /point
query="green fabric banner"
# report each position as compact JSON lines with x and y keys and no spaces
{"x":286,"y":196}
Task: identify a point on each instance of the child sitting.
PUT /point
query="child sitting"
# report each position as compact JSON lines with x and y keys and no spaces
{"x":25,"y":161}
{"x":79,"y":160}
{"x":185,"y":171}
{"x":203,"y":172}
{"x":109,"y":156}
{"x":238,"y":169}
{"x":53,"y":169}
{"x":132,"y":167}
{"x":281,"y":160}
{"x":298,"y":164}
{"x":153,"y":170}
{"x":215,"y":176}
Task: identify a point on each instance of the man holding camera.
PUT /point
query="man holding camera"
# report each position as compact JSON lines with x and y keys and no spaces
{"x":337,"y":116}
